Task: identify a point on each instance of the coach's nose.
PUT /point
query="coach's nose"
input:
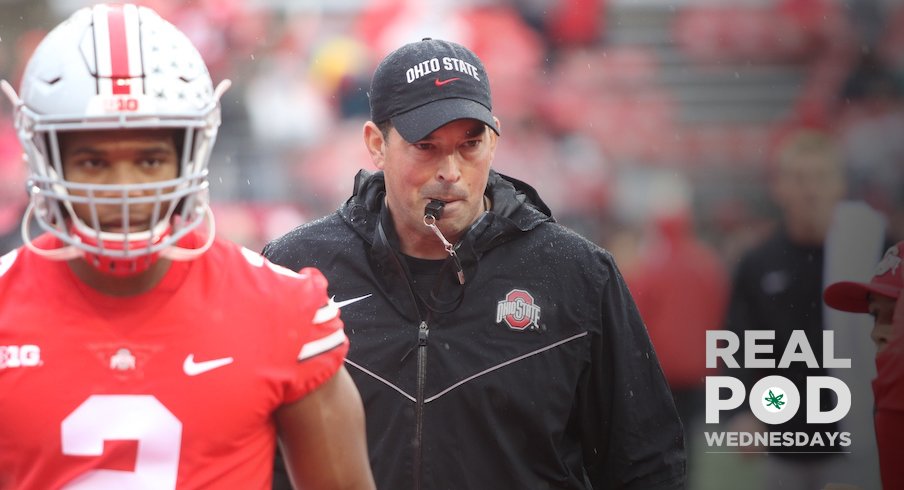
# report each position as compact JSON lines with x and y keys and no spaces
{"x":449,"y":169}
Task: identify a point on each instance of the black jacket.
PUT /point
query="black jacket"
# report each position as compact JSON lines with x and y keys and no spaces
{"x":537,"y":373}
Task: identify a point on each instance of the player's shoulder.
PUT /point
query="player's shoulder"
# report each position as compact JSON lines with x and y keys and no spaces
{"x":23,"y":274}
{"x":7,"y":262}
{"x":237,"y":259}
{"x":19,"y":264}
{"x":255,"y":274}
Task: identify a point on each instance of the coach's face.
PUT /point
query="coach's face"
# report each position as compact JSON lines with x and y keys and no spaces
{"x":451,"y":164}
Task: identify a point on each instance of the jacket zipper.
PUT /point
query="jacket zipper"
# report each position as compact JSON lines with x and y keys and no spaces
{"x":422,"y":334}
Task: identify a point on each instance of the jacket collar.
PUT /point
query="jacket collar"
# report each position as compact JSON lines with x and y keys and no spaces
{"x":517,"y":208}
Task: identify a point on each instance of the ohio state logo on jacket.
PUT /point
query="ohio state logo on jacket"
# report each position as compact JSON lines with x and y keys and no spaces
{"x":518,"y":311}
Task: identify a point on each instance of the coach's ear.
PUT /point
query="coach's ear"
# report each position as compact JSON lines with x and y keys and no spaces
{"x":375,"y":143}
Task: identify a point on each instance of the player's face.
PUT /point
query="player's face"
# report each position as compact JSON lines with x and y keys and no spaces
{"x":119,"y":157}
{"x":881,"y":308}
{"x":451,"y":164}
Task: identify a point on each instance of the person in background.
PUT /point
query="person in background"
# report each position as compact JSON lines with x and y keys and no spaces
{"x":778,"y":286}
{"x":881,"y":298}
{"x":681,"y":288}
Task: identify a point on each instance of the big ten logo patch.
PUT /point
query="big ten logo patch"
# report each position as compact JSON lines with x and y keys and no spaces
{"x":16,"y":356}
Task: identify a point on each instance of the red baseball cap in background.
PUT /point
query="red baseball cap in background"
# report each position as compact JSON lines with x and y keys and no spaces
{"x":888,"y":280}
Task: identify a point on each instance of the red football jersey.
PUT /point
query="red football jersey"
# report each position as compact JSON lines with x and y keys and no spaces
{"x":174,"y":388}
{"x":888,"y":388}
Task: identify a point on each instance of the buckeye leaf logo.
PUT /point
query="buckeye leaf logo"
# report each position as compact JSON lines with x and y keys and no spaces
{"x":775,"y":400}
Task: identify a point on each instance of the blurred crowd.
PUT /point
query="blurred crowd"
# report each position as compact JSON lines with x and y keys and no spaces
{"x":593,"y":96}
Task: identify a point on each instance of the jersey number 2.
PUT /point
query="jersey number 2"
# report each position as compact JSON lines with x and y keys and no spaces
{"x":125,"y":417}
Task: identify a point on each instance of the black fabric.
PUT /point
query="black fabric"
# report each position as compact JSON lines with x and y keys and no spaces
{"x":426,"y":280}
{"x":571,"y":396}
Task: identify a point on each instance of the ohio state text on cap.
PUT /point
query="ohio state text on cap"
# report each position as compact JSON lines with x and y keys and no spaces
{"x":426,"y":84}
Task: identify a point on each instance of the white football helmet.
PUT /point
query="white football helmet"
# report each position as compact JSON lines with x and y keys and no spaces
{"x":117,"y":67}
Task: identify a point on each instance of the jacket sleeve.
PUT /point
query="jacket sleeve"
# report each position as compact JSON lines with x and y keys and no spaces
{"x":633,"y":438}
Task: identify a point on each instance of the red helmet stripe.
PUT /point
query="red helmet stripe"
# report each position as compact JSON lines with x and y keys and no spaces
{"x":119,"y":52}
{"x":133,"y":42}
{"x":117,"y":44}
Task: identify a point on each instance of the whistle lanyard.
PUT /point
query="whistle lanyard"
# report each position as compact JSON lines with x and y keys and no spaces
{"x":430,"y":222}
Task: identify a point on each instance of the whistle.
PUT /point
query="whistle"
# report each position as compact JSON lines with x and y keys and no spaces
{"x":434,"y":208}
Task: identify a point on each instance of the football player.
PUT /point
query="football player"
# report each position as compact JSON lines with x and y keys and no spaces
{"x":137,"y":349}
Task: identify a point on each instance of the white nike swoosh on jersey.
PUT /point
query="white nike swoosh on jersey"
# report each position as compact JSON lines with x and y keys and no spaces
{"x":328,"y":312}
{"x":324,"y":344}
{"x":193,"y":368}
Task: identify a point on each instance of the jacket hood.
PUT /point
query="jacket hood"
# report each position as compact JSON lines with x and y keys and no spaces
{"x":517,"y":208}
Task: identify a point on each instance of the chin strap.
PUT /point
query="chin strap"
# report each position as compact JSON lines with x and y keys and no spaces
{"x":433,"y":212}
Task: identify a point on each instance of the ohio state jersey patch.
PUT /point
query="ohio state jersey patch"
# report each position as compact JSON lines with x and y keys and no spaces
{"x":519,"y":311}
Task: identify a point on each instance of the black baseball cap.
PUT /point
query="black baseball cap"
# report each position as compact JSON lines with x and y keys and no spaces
{"x":426,"y":84}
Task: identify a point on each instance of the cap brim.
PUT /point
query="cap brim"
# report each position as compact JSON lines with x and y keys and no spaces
{"x":854,"y":296}
{"x":417,"y":123}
